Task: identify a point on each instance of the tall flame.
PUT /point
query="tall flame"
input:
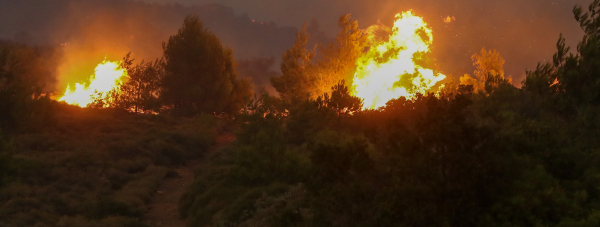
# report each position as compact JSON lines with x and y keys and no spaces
{"x":389,"y":71}
{"x":107,"y":76}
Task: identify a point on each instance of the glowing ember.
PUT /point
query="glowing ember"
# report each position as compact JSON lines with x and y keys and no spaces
{"x":449,"y":19}
{"x":389,"y":71}
{"x":107,"y":76}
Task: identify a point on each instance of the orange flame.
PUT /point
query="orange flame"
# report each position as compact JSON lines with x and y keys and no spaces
{"x":107,"y":76}
{"x":389,"y":71}
{"x":449,"y":19}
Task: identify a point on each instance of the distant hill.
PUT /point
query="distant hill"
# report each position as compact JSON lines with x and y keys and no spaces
{"x":93,"y":30}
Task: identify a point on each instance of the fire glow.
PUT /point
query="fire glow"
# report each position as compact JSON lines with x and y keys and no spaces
{"x":389,"y":71}
{"x":107,"y":76}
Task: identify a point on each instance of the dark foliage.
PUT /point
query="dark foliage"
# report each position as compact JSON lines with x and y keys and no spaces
{"x":298,"y":79}
{"x":340,"y":100}
{"x":500,"y":156}
{"x":24,"y":72}
{"x":199,"y":73}
{"x":93,"y":167}
{"x":503,"y":156}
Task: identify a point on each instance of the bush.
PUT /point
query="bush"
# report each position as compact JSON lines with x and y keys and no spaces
{"x":94,"y":167}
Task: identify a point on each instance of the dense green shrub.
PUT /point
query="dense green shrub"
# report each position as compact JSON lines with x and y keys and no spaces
{"x":94,"y":167}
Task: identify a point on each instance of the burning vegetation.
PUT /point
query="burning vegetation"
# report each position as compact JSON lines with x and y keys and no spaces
{"x":107,"y":77}
{"x":364,"y":131}
{"x":185,"y":81}
{"x":391,"y":67}
{"x":379,"y":64}
{"x":397,"y":67}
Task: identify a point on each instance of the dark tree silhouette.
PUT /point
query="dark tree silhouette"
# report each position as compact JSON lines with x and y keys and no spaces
{"x":298,"y":79}
{"x":199,"y":73}
{"x":340,"y":100}
{"x":24,"y":71}
{"x":304,"y":79}
{"x":575,"y":77}
{"x":141,"y":92}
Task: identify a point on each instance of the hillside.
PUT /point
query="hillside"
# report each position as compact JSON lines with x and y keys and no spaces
{"x":87,"y":167}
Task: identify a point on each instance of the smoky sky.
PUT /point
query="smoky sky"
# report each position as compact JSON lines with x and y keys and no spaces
{"x":90,"y":31}
{"x":524,"y":32}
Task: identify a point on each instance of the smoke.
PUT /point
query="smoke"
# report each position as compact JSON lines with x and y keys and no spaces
{"x":260,"y":70}
{"x":524,"y":32}
{"x":93,"y":30}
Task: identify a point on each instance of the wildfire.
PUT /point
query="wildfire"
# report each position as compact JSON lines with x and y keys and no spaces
{"x":107,"y":76}
{"x":449,"y":19}
{"x":389,"y":71}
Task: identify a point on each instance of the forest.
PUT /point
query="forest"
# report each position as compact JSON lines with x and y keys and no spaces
{"x":473,"y":150}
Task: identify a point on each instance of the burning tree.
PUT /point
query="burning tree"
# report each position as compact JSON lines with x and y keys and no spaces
{"x":140,"y":93}
{"x":489,"y":68}
{"x":195,"y":75}
{"x":304,"y":77}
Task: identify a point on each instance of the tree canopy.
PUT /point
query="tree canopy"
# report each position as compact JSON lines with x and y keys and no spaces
{"x":200,"y":74}
{"x":311,"y":73}
{"x":298,"y":72}
{"x":140,"y":93}
{"x":338,"y":59}
{"x":502,"y":156}
{"x":489,"y":65}
{"x":24,"y":73}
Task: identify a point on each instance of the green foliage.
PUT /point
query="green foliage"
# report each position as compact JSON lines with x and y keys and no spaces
{"x":298,"y":79}
{"x":23,"y":73}
{"x":338,"y":59}
{"x":341,"y":101}
{"x":306,"y":77}
{"x":265,"y":105}
{"x":140,"y":93}
{"x":502,"y":156}
{"x":574,"y":77}
{"x":199,"y":73}
{"x":7,"y":168}
{"x":94,"y":167}
{"x":196,"y":75}
{"x":231,"y":183}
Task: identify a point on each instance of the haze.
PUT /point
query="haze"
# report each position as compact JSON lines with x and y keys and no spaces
{"x":524,"y":32}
